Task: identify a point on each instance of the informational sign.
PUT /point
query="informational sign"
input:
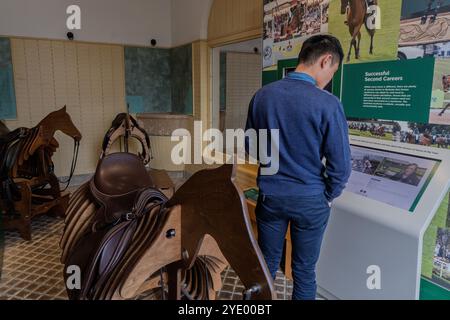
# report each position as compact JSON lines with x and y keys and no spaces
{"x":394,"y":90}
{"x":392,"y":178}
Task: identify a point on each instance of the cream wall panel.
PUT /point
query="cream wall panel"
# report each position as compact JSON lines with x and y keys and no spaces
{"x":200,"y":75}
{"x":21,"y":84}
{"x":96,"y":88}
{"x":87,"y":148}
{"x":59,"y":66}
{"x":87,"y":78}
{"x":231,"y":20}
{"x":34,"y":80}
{"x":107,"y":85}
{"x":201,"y":78}
{"x":118,"y":61}
{"x":47,"y":75}
{"x":109,"y":105}
{"x":72,"y":83}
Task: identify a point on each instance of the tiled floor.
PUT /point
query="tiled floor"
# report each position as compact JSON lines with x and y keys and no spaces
{"x":32,"y":270}
{"x":232,"y":288}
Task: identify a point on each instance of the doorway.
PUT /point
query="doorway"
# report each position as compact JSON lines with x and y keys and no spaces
{"x":236,"y":76}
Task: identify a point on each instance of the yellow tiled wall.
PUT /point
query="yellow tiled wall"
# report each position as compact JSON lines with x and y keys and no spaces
{"x":88,"y":78}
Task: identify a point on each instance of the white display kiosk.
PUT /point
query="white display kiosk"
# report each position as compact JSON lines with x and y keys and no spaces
{"x":378,"y":224}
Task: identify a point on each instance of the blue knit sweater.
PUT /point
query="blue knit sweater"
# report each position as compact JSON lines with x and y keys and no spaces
{"x":312,"y":127}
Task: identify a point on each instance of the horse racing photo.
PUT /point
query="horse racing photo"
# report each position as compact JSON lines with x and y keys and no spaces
{"x":366,"y":28}
{"x":287,"y":23}
{"x":428,"y":135}
{"x":440,"y":104}
{"x":423,"y":22}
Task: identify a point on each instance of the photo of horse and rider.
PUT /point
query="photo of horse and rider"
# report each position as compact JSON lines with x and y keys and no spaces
{"x":423,"y":22}
{"x":425,"y":31}
{"x":366,"y":163}
{"x":367,"y":29}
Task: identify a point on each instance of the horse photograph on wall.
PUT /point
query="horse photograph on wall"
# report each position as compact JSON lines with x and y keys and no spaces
{"x":424,"y":22}
{"x":440,"y":102}
{"x":287,"y":23}
{"x":366,"y":28}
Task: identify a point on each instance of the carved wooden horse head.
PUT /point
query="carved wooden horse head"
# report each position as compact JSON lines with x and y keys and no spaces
{"x":59,"y":120}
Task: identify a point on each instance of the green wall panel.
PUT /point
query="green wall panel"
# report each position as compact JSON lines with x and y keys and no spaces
{"x":7,"y":93}
{"x":181,"y":76}
{"x":269,"y":77}
{"x":159,"y":80}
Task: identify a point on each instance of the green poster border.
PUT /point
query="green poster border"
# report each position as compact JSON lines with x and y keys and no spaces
{"x":424,"y":188}
{"x":337,"y":82}
{"x":431,"y":291}
{"x":283,"y":64}
{"x":269,"y":76}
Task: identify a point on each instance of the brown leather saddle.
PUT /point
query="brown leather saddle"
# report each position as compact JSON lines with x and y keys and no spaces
{"x":124,"y":194}
{"x":128,"y":239}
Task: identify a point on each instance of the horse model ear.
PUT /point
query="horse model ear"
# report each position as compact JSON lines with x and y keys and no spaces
{"x":64,"y":109}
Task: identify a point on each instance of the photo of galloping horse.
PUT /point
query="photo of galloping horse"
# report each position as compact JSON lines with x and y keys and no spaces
{"x":357,"y":16}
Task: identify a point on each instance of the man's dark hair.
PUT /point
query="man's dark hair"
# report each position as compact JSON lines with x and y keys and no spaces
{"x":317,"y":46}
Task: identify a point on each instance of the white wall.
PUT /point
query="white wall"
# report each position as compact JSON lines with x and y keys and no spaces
{"x":132,"y":22}
{"x":189,"y":20}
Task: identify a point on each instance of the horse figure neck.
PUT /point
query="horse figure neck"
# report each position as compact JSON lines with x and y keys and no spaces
{"x":59,"y":121}
{"x":47,"y":129}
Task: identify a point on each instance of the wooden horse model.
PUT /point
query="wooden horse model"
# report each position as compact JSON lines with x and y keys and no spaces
{"x":128,"y":238}
{"x":125,"y":126}
{"x":29,"y":185}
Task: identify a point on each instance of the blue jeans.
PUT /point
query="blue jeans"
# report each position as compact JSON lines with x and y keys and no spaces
{"x":308,"y":217}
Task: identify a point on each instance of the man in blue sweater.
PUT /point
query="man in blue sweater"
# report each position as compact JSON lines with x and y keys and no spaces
{"x":312,"y":128}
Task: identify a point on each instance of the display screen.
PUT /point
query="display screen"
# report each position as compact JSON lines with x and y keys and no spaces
{"x":392,"y":178}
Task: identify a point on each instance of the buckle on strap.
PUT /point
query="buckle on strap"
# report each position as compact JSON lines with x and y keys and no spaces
{"x":130,"y":216}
